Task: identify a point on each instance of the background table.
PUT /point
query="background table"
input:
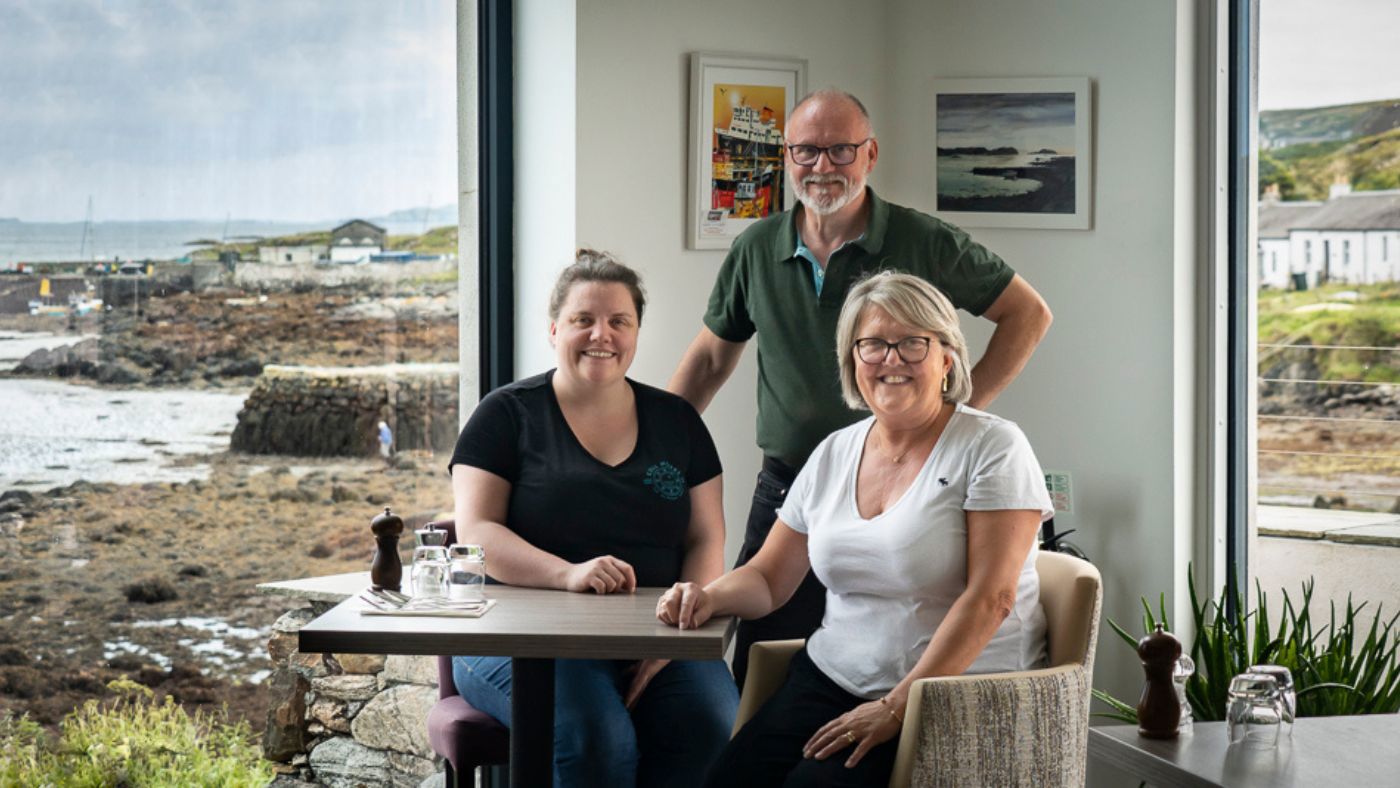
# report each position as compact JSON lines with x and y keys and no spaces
{"x":1354,"y":752}
{"x":533,"y":627}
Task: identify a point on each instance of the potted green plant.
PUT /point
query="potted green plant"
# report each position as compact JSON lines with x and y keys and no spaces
{"x":1345,"y":666}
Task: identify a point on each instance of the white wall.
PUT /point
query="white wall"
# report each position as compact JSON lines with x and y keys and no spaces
{"x":1109,"y":395}
{"x":633,"y":93}
{"x":1098,"y":397}
{"x":1274,"y":263}
{"x":544,"y":168}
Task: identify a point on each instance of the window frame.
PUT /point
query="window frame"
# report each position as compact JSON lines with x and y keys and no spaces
{"x":1242,"y":122}
{"x":496,"y":183}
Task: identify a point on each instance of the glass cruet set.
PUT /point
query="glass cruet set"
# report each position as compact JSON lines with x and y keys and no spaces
{"x":440,"y":572}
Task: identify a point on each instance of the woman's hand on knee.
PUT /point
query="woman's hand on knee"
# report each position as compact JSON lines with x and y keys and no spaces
{"x":864,"y":727}
{"x":601,"y":575}
{"x":685,"y":605}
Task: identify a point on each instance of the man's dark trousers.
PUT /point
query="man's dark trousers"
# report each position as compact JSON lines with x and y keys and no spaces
{"x":801,"y":616}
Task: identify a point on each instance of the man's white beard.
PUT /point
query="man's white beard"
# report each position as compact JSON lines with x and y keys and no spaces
{"x":823,"y":205}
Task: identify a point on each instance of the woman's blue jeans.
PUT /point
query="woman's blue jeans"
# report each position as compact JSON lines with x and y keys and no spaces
{"x":678,"y":726}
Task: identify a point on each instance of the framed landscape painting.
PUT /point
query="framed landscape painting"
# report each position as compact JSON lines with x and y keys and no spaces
{"x":739,"y":107}
{"x":1014,"y":152}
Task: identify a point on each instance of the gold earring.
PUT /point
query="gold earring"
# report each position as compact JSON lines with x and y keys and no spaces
{"x":945,"y":384}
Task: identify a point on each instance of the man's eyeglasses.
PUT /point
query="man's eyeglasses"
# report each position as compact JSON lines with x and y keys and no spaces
{"x":911,"y":350}
{"x":839,"y":154}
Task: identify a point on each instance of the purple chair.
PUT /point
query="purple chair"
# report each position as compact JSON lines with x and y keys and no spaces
{"x":465,"y":737}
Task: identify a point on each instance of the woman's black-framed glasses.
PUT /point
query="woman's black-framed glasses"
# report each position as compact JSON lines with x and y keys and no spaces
{"x":911,"y":350}
{"x":839,"y":154}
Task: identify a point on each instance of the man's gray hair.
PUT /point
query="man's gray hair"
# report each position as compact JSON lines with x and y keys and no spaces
{"x":917,"y":304}
{"x":838,"y":94}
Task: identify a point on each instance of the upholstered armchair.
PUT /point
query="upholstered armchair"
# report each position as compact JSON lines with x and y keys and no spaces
{"x":1001,"y":729}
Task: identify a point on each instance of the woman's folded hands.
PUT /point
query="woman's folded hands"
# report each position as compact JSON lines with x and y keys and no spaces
{"x":601,"y":575}
{"x":685,"y":605}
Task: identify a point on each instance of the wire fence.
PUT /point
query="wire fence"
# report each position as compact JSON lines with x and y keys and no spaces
{"x":1314,"y":468}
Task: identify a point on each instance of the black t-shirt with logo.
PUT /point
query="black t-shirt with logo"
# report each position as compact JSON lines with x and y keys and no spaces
{"x":565,"y":501}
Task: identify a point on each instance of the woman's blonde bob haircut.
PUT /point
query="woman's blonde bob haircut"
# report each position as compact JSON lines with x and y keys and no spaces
{"x":915,"y":303}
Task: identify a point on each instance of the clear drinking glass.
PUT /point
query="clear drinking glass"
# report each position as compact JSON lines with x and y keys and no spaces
{"x":430,"y":568}
{"x":1255,"y":713}
{"x":1286,"y":692}
{"x":467,"y":580}
{"x":1185,"y":668}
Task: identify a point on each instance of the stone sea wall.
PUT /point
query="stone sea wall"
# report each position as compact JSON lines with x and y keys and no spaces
{"x":346,"y":720}
{"x":334,"y":411}
{"x":256,"y":275}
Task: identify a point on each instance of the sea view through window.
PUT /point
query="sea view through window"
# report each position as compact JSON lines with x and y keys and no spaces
{"x":228,"y":327}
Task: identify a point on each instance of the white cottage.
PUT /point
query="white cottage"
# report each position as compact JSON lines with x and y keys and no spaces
{"x":356,"y":241}
{"x":1353,"y":237}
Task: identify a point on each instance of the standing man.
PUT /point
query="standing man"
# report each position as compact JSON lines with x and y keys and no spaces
{"x":386,"y":442}
{"x":785,"y":279}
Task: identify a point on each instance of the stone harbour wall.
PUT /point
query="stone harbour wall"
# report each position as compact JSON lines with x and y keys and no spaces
{"x":256,"y":275}
{"x":347,"y":720}
{"x":334,"y":411}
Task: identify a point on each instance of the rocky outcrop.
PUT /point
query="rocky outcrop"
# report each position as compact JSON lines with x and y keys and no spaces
{"x":334,"y":411}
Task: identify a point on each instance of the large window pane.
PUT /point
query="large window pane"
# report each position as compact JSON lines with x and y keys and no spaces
{"x":1329,"y":301}
{"x":231,"y":233}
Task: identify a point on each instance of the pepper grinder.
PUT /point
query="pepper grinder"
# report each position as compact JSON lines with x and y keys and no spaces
{"x":1159,"y":711}
{"x":386,"y":570}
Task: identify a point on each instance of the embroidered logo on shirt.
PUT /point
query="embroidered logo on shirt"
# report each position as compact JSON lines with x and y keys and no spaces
{"x":665,"y":480}
{"x":942,"y":481}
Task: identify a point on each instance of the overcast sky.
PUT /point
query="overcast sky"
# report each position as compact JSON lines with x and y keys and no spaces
{"x":266,"y":109}
{"x":319,"y":109}
{"x":1316,"y":53}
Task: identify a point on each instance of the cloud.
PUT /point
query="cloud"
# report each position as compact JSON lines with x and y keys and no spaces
{"x":95,"y":91}
{"x":1311,"y":56}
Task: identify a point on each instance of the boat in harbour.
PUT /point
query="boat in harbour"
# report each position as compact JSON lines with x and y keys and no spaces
{"x":751,"y":133}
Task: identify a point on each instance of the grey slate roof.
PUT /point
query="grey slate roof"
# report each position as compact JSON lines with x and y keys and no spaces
{"x":1277,"y":218}
{"x":1378,"y":210}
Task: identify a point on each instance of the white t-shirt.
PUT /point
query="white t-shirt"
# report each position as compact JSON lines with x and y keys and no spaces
{"x":891,"y":579}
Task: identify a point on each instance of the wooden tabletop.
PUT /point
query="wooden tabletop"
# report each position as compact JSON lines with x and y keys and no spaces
{"x":1345,"y":751}
{"x":525,"y":622}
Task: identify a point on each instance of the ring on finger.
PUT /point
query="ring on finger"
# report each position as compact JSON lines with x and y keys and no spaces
{"x":850,"y":737}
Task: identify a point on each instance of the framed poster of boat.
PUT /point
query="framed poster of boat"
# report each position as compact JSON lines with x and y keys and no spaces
{"x":739,"y":106}
{"x":1013,"y":152}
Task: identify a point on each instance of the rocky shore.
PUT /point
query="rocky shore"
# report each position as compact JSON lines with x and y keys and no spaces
{"x":225,"y":338}
{"x":1322,"y":443}
{"x":156,"y":581}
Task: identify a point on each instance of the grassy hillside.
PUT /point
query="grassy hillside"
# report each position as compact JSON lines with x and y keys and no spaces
{"x":1370,"y":318}
{"x":1306,"y":171}
{"x":1289,"y":127}
{"x":439,"y":240}
{"x":1305,"y":151}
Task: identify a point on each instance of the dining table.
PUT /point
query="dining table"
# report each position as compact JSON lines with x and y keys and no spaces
{"x":533,"y":627}
{"x":1351,"y":751}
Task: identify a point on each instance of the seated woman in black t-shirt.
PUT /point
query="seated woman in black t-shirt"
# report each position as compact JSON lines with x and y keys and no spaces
{"x":583,"y":480}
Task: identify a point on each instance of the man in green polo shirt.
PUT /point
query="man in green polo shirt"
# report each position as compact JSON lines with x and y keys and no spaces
{"x":785,"y":279}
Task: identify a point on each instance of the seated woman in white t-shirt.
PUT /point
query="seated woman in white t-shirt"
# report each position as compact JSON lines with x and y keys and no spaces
{"x":920,"y":521}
